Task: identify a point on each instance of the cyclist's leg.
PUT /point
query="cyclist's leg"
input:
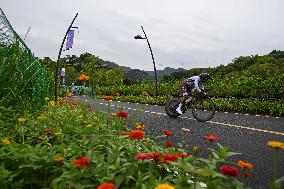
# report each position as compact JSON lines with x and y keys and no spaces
{"x":185,"y":91}
{"x":193,"y":92}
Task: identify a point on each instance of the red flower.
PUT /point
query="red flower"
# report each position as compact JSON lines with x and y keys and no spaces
{"x":169,"y":157}
{"x":136,"y":134}
{"x":122,"y":114}
{"x":64,"y":101}
{"x":82,"y":162}
{"x":167,"y":133}
{"x":106,"y":186}
{"x":143,"y":156}
{"x":211,"y":137}
{"x":229,"y":171}
{"x":181,"y":155}
{"x":156,"y":156}
{"x":169,"y":144}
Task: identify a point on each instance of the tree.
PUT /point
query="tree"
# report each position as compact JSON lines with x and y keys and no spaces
{"x":91,"y":65}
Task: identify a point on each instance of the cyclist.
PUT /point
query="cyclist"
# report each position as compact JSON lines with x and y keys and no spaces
{"x":191,"y":85}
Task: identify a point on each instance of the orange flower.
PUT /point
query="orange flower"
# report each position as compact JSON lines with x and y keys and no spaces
{"x":58,"y":158}
{"x":117,"y":94}
{"x":164,"y":186}
{"x":84,"y":77}
{"x":49,"y":129}
{"x":107,"y":186}
{"x":136,"y":134}
{"x":108,"y":97}
{"x":211,"y":138}
{"x":245,"y":164}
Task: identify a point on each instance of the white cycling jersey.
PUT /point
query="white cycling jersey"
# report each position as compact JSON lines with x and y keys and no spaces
{"x":194,"y":82}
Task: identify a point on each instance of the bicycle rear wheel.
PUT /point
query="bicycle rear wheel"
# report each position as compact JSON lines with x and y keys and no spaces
{"x":203,"y":110}
{"x":171,"y":108}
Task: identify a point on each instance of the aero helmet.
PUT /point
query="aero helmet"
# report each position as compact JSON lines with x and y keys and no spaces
{"x":204,"y":76}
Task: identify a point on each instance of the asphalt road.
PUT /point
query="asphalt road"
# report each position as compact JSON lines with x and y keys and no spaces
{"x":243,"y":133}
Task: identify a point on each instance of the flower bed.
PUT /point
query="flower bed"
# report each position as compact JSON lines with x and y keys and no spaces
{"x":71,"y":146}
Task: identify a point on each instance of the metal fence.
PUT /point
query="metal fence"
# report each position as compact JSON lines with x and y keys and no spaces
{"x":23,"y":80}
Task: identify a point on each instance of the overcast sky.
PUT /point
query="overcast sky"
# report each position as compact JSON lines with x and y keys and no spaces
{"x":182,"y":33}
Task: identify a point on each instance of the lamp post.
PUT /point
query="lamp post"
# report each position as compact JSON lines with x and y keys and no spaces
{"x":57,"y":62}
{"x":139,"y":37}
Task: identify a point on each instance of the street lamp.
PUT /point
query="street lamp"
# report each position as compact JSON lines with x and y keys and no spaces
{"x":139,"y":37}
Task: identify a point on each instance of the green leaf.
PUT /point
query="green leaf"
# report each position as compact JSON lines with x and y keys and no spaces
{"x":119,"y":179}
{"x":276,"y":184}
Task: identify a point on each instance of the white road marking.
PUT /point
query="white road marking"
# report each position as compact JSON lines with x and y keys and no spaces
{"x":218,"y":123}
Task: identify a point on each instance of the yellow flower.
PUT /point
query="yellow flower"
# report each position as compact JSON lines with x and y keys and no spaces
{"x":164,"y":186}
{"x":144,"y":93}
{"x":22,"y":120}
{"x":276,"y":144}
{"x":81,"y":116}
{"x":46,"y":98}
{"x":195,"y":149}
{"x":89,"y":125}
{"x":6,"y":141}
{"x":140,"y":125}
{"x":70,"y":94}
{"x":58,"y":158}
{"x":52,"y":103}
{"x":58,"y":133}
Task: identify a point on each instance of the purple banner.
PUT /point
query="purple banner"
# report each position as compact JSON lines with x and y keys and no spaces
{"x":70,"y":37}
{"x":62,"y":73}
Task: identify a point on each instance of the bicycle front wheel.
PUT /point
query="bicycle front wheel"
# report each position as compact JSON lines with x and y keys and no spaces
{"x":203,"y":110}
